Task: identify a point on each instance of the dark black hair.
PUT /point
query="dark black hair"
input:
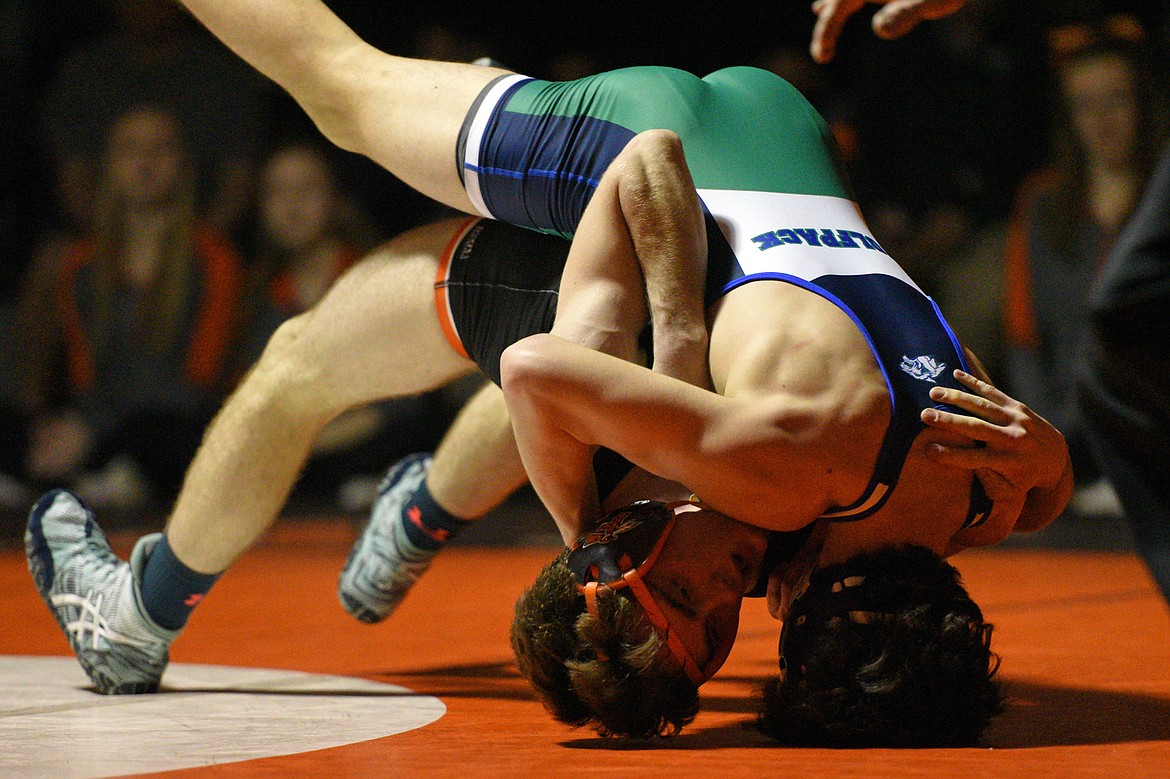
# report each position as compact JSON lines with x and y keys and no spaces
{"x":907,"y":665}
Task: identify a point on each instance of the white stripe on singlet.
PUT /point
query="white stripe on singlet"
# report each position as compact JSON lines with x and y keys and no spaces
{"x":475,"y":131}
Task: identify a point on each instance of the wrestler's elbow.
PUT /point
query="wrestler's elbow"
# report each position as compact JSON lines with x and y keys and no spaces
{"x":652,"y":160}
{"x":525,"y":366}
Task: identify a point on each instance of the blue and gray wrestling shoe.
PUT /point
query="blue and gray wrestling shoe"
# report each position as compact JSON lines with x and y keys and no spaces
{"x":95,"y":596}
{"x":383,"y":564}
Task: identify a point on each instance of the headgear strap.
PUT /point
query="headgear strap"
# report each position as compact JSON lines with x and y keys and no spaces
{"x":833,"y":591}
{"x":605,"y":558}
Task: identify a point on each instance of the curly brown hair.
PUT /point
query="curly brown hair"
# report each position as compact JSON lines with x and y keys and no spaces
{"x":920,"y":674}
{"x":636,"y":690}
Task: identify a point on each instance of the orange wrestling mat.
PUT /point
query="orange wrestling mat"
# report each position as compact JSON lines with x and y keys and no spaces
{"x":306,"y":691}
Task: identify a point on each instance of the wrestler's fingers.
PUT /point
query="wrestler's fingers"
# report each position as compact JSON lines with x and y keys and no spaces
{"x":972,"y":427}
{"x":984,"y":388}
{"x":979,"y":406}
{"x":831,"y":18}
{"x":937,"y":9}
{"x":897,"y":18}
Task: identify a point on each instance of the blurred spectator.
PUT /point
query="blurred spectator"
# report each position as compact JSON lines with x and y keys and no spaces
{"x":949,"y":119}
{"x":308,"y":232}
{"x":156,"y":54}
{"x":33,"y":36}
{"x":22,"y":50}
{"x":1108,"y":133}
{"x":144,"y":310}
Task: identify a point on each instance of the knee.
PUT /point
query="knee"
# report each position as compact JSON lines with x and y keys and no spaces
{"x":286,"y":372}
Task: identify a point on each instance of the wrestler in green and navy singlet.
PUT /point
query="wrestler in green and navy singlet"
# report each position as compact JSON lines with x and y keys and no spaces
{"x":777,"y":204}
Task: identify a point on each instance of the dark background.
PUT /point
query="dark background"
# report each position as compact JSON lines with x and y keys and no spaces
{"x":880,"y":80}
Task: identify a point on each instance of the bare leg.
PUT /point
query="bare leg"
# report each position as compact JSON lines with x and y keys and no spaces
{"x":477,"y":465}
{"x":404,"y":114}
{"x":426,"y":500}
{"x":375,"y":335}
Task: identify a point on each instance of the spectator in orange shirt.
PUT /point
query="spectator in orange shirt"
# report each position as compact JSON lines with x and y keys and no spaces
{"x":146,"y":306}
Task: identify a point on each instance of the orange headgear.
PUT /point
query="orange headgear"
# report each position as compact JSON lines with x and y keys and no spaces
{"x":619,"y":553}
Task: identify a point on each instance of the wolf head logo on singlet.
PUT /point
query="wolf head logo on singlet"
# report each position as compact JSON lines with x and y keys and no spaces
{"x":924,"y":367}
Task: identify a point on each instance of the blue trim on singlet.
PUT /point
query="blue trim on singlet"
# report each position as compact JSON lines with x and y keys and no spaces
{"x":525,"y":177}
{"x":827,"y":295}
{"x":900,"y":322}
{"x":958,"y":347}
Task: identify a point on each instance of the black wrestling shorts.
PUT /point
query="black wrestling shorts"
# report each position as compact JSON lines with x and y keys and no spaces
{"x":497,"y":284}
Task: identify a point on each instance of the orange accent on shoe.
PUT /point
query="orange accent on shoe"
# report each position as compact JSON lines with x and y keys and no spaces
{"x":415,"y":516}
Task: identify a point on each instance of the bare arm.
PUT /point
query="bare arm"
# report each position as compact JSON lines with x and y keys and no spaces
{"x":639,"y":251}
{"x":744,"y":459}
{"x":641,"y":242}
{"x":894,"y":19}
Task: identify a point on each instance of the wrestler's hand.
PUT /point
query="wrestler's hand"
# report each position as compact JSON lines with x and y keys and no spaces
{"x":1021,"y":446}
{"x":893,"y":20}
{"x":1024,"y":453}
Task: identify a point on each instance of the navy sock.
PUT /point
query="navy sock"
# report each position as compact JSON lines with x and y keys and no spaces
{"x":428,"y":525}
{"x":171,"y":590}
